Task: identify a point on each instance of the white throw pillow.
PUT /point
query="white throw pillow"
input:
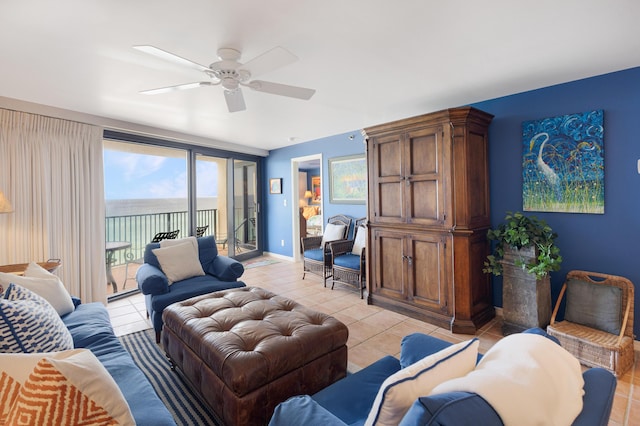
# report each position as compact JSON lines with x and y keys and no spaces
{"x":360,"y":241}
{"x":175,"y":242}
{"x":28,"y":323}
{"x":44,"y":284}
{"x":179,"y":261}
{"x":332,"y":232}
{"x":72,"y":386}
{"x":400,"y":390}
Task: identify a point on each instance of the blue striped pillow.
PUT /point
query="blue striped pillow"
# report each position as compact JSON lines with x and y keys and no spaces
{"x":28,"y":323}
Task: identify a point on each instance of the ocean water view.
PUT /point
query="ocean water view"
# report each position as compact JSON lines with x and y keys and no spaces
{"x":136,"y":221}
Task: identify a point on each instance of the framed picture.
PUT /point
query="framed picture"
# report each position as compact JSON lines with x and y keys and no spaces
{"x":275,"y":186}
{"x":563,"y":163}
{"x":316,"y":189}
{"x":348,"y":180}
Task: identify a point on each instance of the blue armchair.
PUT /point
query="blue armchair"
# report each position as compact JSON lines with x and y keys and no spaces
{"x":220,"y":273}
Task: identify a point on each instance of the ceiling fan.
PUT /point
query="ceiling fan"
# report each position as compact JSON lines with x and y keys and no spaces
{"x":231,"y":74}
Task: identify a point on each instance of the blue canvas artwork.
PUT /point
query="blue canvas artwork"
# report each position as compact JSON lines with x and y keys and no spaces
{"x":563,"y":164}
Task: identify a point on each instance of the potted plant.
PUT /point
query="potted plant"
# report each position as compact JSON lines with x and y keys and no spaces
{"x":524,"y":254}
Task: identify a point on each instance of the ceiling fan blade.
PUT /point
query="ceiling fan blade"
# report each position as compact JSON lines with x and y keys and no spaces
{"x":281,"y":89}
{"x":269,"y":61}
{"x":178,"y":87}
{"x":235,"y":100}
{"x":167,"y":56}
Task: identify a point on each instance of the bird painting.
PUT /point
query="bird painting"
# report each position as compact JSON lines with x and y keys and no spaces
{"x":563,"y":163}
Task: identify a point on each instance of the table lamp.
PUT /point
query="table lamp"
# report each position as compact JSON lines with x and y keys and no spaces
{"x":307,"y":195}
{"x":5,"y":205}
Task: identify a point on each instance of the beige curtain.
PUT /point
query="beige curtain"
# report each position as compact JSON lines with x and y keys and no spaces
{"x":51,"y":171}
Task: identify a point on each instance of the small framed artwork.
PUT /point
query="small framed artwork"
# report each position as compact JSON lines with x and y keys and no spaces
{"x":316,"y":189}
{"x":275,"y":186}
{"x":348,"y":180}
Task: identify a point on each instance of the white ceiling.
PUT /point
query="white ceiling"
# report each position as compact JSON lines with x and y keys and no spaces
{"x":371,"y":61}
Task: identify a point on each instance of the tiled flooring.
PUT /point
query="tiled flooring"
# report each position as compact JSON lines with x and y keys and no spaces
{"x":373,"y":332}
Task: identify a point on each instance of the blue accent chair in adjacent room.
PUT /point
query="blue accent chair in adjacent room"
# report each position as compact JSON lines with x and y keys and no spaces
{"x":316,"y":253}
{"x":349,"y":258}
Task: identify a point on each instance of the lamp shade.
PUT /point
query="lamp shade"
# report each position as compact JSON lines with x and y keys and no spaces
{"x":5,"y":205}
{"x":308,"y":194}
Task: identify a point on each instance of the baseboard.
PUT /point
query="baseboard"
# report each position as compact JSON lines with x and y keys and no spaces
{"x":278,"y":256}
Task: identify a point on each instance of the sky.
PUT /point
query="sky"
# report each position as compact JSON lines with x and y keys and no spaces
{"x":130,"y":175}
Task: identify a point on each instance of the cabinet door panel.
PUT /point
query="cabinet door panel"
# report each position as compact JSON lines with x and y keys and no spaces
{"x":390,"y":206}
{"x":386,"y":180}
{"x":427,"y":176}
{"x":423,"y":151}
{"x":425,"y":203}
{"x":389,"y":266}
{"x":428,"y":276}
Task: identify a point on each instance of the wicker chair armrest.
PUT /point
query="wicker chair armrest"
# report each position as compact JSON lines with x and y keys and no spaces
{"x":340,"y":247}
{"x":555,"y":309}
{"x":311,"y":242}
{"x":623,"y":326}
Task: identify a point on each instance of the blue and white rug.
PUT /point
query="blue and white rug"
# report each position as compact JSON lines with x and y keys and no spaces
{"x":185,"y":406}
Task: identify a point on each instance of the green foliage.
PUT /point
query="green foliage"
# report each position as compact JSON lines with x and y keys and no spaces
{"x":518,"y":231}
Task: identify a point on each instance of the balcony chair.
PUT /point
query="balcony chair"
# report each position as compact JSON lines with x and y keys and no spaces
{"x":598,"y":320}
{"x":171,"y":235}
{"x":349,"y":258}
{"x":316,"y":252}
{"x":200,"y":230}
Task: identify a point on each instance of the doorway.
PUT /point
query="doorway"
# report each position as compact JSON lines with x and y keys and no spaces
{"x":307,"y":212}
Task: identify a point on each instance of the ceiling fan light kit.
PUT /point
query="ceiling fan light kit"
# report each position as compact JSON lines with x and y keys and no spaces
{"x":231,"y":74}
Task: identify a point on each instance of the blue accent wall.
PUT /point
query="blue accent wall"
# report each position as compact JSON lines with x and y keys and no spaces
{"x":278,"y":164}
{"x":593,"y":242}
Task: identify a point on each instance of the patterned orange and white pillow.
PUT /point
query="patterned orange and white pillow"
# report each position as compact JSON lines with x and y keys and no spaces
{"x":62,"y":388}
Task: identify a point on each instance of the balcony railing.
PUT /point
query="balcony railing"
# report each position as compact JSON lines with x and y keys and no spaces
{"x":139,"y":229}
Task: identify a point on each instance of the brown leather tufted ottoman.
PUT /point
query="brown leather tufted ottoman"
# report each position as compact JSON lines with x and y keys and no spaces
{"x":245,"y":350}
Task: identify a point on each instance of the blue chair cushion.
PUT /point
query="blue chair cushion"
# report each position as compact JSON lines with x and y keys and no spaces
{"x":348,"y":260}
{"x":315,"y":254}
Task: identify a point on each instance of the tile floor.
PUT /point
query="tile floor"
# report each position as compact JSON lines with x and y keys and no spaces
{"x":373,"y":332}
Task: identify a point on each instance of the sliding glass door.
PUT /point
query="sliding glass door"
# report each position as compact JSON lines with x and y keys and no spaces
{"x":145,"y":194}
{"x":156,"y":186}
{"x":245,"y":211}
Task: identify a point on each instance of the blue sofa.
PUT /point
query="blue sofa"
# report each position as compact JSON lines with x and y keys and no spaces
{"x":348,"y":401}
{"x":221,"y":273}
{"x":90,"y":328}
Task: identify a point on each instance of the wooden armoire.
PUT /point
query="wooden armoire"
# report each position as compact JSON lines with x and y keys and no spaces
{"x":428,"y":208}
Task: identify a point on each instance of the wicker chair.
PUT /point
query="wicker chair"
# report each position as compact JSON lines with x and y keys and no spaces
{"x":598,"y":324}
{"x":317,"y":253}
{"x":349,"y":267}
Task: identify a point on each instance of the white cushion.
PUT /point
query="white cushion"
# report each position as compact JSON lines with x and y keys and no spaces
{"x":179,"y":261}
{"x":28,"y":323}
{"x":360,"y":241}
{"x":400,"y":390}
{"x":177,"y":241}
{"x":332,"y":232}
{"x":70,"y":386}
{"x":43,"y":283}
{"x":528,"y":380}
